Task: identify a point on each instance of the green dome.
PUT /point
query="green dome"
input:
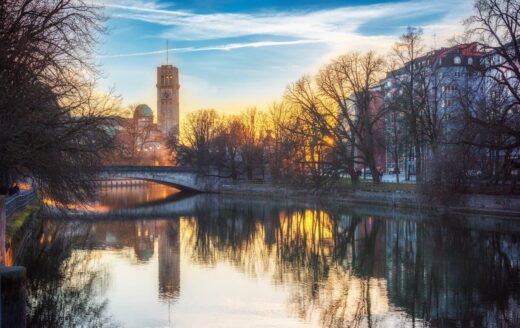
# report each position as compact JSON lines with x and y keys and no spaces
{"x":143,"y":111}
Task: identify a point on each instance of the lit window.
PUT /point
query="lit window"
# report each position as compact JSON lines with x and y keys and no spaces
{"x":457,"y":60}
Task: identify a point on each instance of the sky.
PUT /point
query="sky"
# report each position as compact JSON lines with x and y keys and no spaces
{"x":233,"y":55}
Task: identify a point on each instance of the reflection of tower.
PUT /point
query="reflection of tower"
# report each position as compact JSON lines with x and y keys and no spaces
{"x":143,"y":246}
{"x":169,"y":260}
{"x":168,"y":99}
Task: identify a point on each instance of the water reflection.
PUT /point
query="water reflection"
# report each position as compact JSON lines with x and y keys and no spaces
{"x":363,"y":270}
{"x":133,"y":194}
{"x":231,"y":262}
{"x":64,"y":288}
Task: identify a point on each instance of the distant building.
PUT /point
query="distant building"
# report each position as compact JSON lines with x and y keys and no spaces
{"x":168,"y":99}
{"x":148,"y":136}
{"x":143,"y":116}
{"x":446,"y":73}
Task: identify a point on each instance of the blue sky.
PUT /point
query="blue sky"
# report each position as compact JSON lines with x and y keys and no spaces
{"x":237,"y":54}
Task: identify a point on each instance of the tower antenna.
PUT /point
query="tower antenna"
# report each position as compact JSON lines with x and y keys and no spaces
{"x":166,"y":52}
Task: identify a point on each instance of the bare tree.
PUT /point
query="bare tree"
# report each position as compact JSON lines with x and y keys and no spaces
{"x":407,"y":72}
{"x":286,"y":154}
{"x":198,"y":133}
{"x":53,"y":124}
{"x":356,"y":108}
{"x":495,"y":25}
{"x":312,"y":125}
{"x":397,"y":137}
{"x":251,"y":150}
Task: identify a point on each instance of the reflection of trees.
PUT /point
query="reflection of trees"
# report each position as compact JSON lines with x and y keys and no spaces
{"x":63,"y":287}
{"x":449,"y":275}
{"x":226,"y":234}
{"x":354,"y":270}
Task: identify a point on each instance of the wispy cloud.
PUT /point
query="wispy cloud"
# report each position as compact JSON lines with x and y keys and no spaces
{"x":306,"y":38}
{"x":224,"y":47}
{"x":325,"y":24}
{"x":335,"y":26}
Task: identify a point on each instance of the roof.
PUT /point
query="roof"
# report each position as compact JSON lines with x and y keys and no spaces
{"x":143,"y":111}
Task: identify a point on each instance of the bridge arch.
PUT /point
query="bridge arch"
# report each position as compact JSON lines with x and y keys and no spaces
{"x":179,"y":177}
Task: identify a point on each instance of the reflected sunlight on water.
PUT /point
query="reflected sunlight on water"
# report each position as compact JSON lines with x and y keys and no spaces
{"x":227,"y":262}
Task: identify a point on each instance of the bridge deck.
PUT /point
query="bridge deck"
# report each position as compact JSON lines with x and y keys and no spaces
{"x":151,"y":169}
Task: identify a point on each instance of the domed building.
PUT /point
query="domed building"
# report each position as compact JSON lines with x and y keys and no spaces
{"x":143,"y":116}
{"x":149,"y":142}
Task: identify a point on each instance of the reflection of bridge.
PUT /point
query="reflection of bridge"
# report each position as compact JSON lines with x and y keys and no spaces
{"x":180,"y":177}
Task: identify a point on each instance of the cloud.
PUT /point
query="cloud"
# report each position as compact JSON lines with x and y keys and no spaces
{"x":224,"y":47}
{"x":307,"y":37}
{"x":327,"y":24}
{"x":338,"y":27}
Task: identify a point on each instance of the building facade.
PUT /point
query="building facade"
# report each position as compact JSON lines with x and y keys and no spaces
{"x":441,"y":79}
{"x":168,"y":99}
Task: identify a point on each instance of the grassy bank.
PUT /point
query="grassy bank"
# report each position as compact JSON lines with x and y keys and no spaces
{"x":16,"y":221}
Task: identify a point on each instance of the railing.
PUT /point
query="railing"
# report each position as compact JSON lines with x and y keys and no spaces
{"x":148,"y":169}
{"x":20,"y":200}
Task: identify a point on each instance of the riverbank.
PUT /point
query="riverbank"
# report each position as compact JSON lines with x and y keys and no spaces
{"x":505,"y":206}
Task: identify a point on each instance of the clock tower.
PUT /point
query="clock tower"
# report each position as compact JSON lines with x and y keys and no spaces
{"x":168,"y":99}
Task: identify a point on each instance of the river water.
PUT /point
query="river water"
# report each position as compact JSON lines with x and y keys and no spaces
{"x":147,"y":256}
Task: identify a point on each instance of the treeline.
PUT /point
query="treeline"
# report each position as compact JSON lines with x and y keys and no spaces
{"x":408,"y":114}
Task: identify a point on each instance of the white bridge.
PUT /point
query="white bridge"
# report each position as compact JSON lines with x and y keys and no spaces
{"x":179,"y":177}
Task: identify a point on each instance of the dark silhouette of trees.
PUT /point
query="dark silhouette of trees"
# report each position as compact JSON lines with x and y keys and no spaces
{"x":349,"y":84}
{"x":492,"y":112}
{"x":53,"y":124}
{"x":194,"y":148}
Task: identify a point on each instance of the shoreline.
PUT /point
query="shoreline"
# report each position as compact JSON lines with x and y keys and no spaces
{"x":489,"y":205}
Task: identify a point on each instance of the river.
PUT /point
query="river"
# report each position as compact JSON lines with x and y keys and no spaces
{"x":148,"y":256}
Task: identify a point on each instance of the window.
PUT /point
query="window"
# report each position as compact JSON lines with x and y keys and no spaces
{"x":445,"y":103}
{"x":470,"y":61}
{"x":457,"y":74}
{"x":457,"y":60}
{"x":449,"y":88}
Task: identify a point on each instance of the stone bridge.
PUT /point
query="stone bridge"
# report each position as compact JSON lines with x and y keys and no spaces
{"x":182,"y":178}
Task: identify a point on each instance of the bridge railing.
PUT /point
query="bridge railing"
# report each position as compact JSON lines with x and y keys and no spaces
{"x":147,"y":169}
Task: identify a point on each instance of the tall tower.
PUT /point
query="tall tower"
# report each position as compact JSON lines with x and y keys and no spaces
{"x":168,"y":99}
